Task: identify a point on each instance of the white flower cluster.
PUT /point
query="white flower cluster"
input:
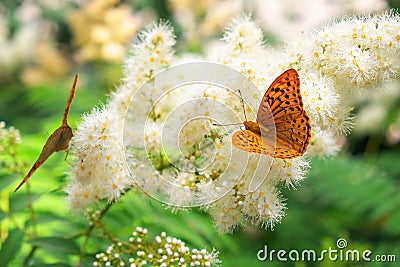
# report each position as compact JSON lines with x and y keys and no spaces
{"x":8,"y":137}
{"x":342,"y":61}
{"x":287,"y":18}
{"x":174,"y":151}
{"x":358,"y":52}
{"x":333,"y":62}
{"x":9,"y":140}
{"x":100,"y":171}
{"x":163,"y":251}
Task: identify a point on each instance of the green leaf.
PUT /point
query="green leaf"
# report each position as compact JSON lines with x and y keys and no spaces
{"x":44,"y":217}
{"x":60,"y":264}
{"x":20,"y":202}
{"x":388,"y":205}
{"x":348,"y":182}
{"x":388,"y":162}
{"x":11,"y":246}
{"x":2,"y":215}
{"x":56,"y":244}
{"x":6,"y":180}
{"x":392,"y":225}
{"x":202,"y":225}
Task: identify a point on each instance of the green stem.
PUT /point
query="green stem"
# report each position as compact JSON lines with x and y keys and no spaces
{"x":88,"y":233}
{"x":373,"y":145}
{"x":34,"y":226}
{"x":32,"y":211}
{"x":28,"y":259}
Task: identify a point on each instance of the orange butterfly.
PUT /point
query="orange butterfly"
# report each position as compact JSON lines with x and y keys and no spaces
{"x":281,"y":111}
{"x":59,"y":140}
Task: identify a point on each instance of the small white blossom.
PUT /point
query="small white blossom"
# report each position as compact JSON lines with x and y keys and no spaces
{"x":323,"y":143}
{"x":225,"y":214}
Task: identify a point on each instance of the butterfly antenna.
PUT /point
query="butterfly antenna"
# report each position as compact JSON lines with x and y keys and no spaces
{"x":231,"y":124}
{"x":68,"y":106}
{"x":244,"y":110}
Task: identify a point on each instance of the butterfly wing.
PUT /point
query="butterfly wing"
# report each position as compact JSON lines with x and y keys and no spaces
{"x":248,"y":141}
{"x":47,"y":150}
{"x":69,"y":101}
{"x":282,"y":105}
{"x":59,"y":140}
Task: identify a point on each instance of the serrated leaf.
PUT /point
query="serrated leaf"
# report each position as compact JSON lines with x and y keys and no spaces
{"x":11,"y":246}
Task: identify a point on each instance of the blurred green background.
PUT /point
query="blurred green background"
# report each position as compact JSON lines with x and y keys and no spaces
{"x":354,"y":195}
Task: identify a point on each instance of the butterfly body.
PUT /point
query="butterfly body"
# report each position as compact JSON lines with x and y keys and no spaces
{"x":252,"y":126}
{"x":59,"y":140}
{"x":283,"y":127}
{"x":257,"y":128}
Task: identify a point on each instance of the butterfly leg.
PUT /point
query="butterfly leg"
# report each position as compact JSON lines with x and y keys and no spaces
{"x":66,"y":156}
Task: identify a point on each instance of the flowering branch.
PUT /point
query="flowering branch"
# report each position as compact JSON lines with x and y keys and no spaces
{"x":337,"y":61}
{"x":163,"y":251}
